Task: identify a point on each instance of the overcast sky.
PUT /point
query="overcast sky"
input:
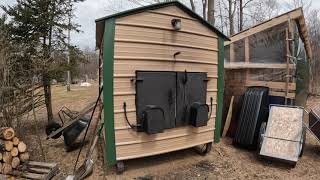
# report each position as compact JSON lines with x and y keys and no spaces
{"x":89,"y":10}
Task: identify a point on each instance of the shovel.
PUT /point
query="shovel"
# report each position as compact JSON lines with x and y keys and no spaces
{"x":86,"y":168}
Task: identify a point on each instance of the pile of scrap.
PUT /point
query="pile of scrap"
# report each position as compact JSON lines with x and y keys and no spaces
{"x":14,"y":159}
{"x":12,"y":151}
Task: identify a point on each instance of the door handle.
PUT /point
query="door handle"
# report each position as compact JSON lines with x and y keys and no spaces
{"x":170,"y":97}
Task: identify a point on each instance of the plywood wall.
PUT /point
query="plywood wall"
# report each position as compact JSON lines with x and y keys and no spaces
{"x":146,"y":41}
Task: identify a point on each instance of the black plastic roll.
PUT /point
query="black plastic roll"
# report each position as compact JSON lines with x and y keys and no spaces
{"x":253,"y":112}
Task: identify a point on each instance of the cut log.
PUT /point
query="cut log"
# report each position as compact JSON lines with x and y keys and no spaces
{"x":6,"y":133}
{"x":24,"y":157}
{"x":15,"y":162}
{"x":8,"y":145}
{"x":2,"y":145}
{"x":22,"y":147}
{"x":0,"y":156}
{"x":15,"y":141}
{"x":10,"y":178}
{"x":6,"y":168}
{"x":14,"y":152}
{"x":7,"y":157}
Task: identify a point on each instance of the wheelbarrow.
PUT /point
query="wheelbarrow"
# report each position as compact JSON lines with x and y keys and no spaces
{"x":314,"y":123}
{"x":72,"y":124}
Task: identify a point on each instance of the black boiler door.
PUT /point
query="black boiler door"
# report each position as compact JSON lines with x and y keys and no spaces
{"x":191,"y":88}
{"x":156,"y":89}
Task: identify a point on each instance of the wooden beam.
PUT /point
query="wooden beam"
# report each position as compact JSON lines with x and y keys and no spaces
{"x":228,"y":119}
{"x":282,"y":94}
{"x":272,"y":85}
{"x":240,"y":65}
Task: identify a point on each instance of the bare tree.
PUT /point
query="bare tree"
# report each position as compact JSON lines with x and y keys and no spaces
{"x":260,"y":10}
{"x":242,"y":6}
{"x":314,"y":33}
{"x":204,"y":9}
{"x":231,"y":12}
{"x":211,"y":11}
{"x":15,"y":81}
{"x":193,"y":7}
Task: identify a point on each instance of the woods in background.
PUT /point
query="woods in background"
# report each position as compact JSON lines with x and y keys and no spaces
{"x":33,"y":52}
{"x":233,"y":16}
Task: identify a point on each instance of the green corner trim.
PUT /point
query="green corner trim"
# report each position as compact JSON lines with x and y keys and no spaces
{"x":217,"y":131}
{"x":108,"y":55}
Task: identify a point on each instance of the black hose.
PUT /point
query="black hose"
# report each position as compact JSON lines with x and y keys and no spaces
{"x":82,"y":143}
{"x":211,"y":104}
{"x":126,"y":117}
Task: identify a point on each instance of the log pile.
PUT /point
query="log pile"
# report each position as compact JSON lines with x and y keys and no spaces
{"x":13,"y":151}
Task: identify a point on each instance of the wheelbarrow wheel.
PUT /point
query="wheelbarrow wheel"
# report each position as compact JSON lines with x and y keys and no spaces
{"x":203,"y":149}
{"x":120,"y":167}
{"x":262,"y":131}
{"x":51,"y":127}
{"x":303,"y":141}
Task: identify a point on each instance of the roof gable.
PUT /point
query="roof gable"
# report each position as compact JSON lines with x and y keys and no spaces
{"x":100,"y":21}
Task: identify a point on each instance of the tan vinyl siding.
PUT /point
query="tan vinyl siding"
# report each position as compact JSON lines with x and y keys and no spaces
{"x":146,"y":41}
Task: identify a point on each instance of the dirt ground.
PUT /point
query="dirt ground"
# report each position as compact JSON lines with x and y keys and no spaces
{"x":223,"y":162}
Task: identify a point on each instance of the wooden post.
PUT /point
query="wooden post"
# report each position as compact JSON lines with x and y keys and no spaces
{"x":231,"y":52}
{"x":247,"y":56}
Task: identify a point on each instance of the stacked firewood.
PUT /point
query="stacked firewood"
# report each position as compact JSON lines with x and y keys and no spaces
{"x":13,"y":151}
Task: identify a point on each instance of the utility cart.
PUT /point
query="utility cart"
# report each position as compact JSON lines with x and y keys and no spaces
{"x":283,"y":136}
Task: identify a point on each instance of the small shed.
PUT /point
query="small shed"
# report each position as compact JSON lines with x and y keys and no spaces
{"x":162,"y":76}
{"x":273,"y":54}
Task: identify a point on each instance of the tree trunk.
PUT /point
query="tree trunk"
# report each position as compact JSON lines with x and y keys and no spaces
{"x":204,"y":9}
{"x":211,"y":18}
{"x":220,"y":17}
{"x":231,"y":19}
{"x":192,"y":6}
{"x":47,"y":96}
{"x":241,"y":15}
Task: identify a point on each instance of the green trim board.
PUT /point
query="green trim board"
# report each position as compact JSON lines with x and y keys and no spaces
{"x":108,"y":55}
{"x":217,"y":131}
